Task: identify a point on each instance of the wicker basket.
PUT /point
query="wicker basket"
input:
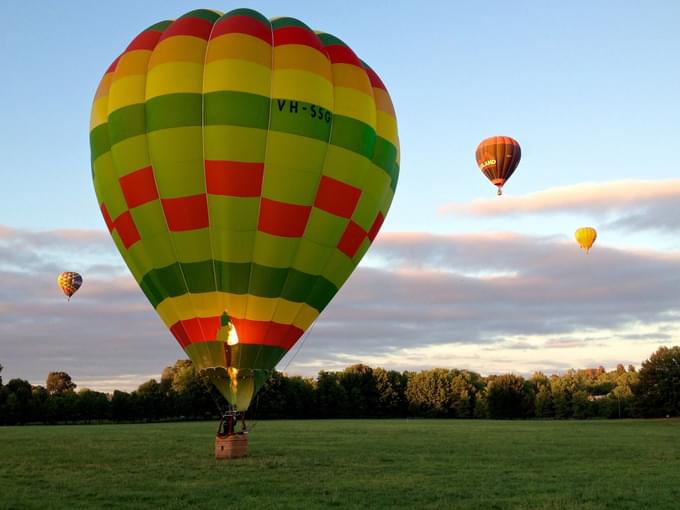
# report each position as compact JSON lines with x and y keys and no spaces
{"x":233,"y":446}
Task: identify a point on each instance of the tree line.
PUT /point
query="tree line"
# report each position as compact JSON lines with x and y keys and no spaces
{"x":360,"y":391}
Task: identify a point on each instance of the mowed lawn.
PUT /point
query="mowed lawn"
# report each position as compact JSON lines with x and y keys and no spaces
{"x":363,"y":464}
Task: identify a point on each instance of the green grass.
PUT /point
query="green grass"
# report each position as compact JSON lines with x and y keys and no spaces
{"x":368,"y":464}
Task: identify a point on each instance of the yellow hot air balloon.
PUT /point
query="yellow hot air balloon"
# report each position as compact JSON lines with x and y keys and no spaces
{"x":243,"y":167}
{"x":585,"y":237}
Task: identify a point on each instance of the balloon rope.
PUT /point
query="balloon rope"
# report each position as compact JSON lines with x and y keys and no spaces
{"x":301,"y":343}
{"x":253,"y":419}
{"x":218,"y":401}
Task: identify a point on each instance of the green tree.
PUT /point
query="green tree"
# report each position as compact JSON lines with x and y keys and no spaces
{"x":271,"y":401}
{"x":391,"y":388}
{"x":543,"y":402}
{"x":64,"y":406}
{"x":658,"y":387}
{"x":122,"y":407}
{"x":466,"y":388}
{"x":167,"y":378}
{"x":177,"y":378}
{"x":581,"y":407}
{"x":196,"y":396}
{"x":39,"y":399}
{"x":481,"y":410}
{"x":331,"y":396}
{"x":299,"y":395}
{"x":59,"y":383}
{"x":284,"y":397}
{"x":17,"y":402}
{"x":362,"y":393}
{"x":152,"y":400}
{"x":563,"y":389}
{"x":92,"y":405}
{"x":509,"y":396}
{"x":445,"y":393}
{"x":429,"y":392}
{"x":621,"y":400}
{"x":543,"y":405}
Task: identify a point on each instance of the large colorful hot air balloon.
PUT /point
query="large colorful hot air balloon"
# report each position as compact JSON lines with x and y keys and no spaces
{"x":69,"y":282}
{"x":585,"y":237}
{"x":243,"y":167}
{"x":498,"y":158}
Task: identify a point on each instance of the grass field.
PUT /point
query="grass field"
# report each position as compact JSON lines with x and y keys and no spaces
{"x":347,"y":464}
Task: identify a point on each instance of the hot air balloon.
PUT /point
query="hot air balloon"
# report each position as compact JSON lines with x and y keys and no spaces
{"x":69,"y":283}
{"x":242,"y":166}
{"x":585,"y":237}
{"x":498,"y":158}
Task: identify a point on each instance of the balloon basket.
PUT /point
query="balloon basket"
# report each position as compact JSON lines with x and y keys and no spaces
{"x":230,"y":444}
{"x":234,"y":446}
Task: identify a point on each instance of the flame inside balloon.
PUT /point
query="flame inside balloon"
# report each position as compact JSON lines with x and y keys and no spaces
{"x":232,"y":339}
{"x":233,"y":375}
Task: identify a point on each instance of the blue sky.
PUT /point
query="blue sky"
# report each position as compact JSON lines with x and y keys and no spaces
{"x":589,"y":89}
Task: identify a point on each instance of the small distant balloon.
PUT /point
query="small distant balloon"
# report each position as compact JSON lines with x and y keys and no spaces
{"x":498,"y":157}
{"x":69,"y":282}
{"x":585,"y":237}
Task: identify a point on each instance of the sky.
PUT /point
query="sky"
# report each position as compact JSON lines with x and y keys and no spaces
{"x":458,"y":277}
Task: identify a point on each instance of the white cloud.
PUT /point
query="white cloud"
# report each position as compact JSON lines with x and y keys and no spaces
{"x":489,"y":302}
{"x":423,"y":297}
{"x":625,"y":205}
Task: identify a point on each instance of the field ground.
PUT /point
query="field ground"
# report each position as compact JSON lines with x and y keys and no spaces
{"x":457,"y":464}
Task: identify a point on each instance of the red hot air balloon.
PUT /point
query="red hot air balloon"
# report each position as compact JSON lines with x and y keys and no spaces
{"x":498,"y":158}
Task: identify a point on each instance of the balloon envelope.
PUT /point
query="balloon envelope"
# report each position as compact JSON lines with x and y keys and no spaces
{"x":585,"y":237}
{"x":69,"y":283}
{"x":498,"y":157}
{"x":242,"y":165}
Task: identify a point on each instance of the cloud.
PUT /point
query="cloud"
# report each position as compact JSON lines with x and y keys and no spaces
{"x":54,"y":251}
{"x":488,"y":302}
{"x":626,"y":205}
{"x":107,"y":329}
{"x":122,"y":382}
{"x":565,"y":343}
{"x":485,"y":289}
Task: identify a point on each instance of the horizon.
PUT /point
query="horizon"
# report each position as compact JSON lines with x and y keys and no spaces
{"x":131,"y":384}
